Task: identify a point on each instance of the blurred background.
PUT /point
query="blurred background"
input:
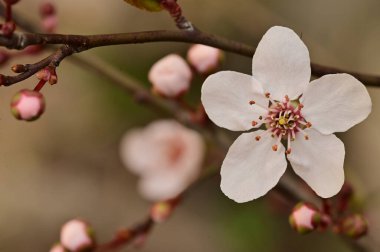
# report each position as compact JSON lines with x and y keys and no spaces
{"x":67,"y":165}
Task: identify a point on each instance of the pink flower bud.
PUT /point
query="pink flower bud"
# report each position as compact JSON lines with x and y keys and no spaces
{"x":354,"y":226}
{"x":50,"y":23}
{"x":161,"y":211}
{"x":58,"y":248}
{"x":304,"y":218}
{"x":28,"y":105}
{"x":76,"y":236}
{"x":204,"y":59}
{"x":170,"y":76}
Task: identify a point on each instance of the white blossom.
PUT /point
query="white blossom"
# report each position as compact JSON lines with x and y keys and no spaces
{"x":280,"y":100}
{"x":166,"y":155}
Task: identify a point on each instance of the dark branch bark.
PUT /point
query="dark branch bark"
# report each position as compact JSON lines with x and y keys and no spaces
{"x":82,"y":43}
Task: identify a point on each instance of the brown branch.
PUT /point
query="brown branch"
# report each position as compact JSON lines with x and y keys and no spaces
{"x":126,"y":236}
{"x":82,"y":43}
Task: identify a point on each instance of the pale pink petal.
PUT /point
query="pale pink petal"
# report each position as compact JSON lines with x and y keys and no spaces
{"x":282,"y":63}
{"x":166,"y":155}
{"x":133,"y":146}
{"x":164,"y":187}
{"x":335,"y":103}
{"x":251,"y":168}
{"x":226,"y":98}
{"x":319,"y":161}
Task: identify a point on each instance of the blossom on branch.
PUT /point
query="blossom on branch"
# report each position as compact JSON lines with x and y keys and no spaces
{"x":279,"y":98}
{"x":166,"y":155}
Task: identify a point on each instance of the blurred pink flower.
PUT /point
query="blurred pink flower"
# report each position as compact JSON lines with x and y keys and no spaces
{"x":166,"y":155}
{"x":279,"y":96}
{"x":170,"y":76}
{"x":76,"y":236}
{"x":204,"y":59}
{"x":58,"y":248}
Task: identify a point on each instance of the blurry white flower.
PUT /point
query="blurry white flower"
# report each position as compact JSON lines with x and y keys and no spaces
{"x":305,"y":218}
{"x":204,"y":59}
{"x":279,"y":96}
{"x":58,"y":248}
{"x":170,"y":76}
{"x":166,"y":155}
{"x":76,"y":236}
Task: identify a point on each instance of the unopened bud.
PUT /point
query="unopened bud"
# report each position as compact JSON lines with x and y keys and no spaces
{"x":47,"y":9}
{"x":304,"y":218}
{"x":204,"y":59}
{"x":28,"y":105}
{"x":18,"y":68}
{"x":8,"y":28}
{"x":47,"y":74}
{"x":58,"y":248}
{"x":354,"y":226}
{"x":43,"y":74}
{"x":161,"y":211}
{"x":150,"y":5}
{"x":76,"y":236}
{"x":170,"y":76}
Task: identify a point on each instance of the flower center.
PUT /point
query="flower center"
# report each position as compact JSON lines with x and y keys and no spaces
{"x":283,"y":121}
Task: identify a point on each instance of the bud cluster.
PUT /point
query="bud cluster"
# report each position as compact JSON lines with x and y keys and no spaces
{"x":171,"y":76}
{"x":306,"y":217}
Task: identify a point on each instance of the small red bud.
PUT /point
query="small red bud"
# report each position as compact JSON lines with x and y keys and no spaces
{"x":354,"y":226}
{"x":47,"y":9}
{"x":161,"y":211}
{"x":18,"y":68}
{"x":8,"y":28}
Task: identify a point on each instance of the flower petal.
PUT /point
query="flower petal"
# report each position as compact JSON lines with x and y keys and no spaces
{"x":226,"y":96}
{"x":319,"y":161}
{"x":160,"y":188}
{"x":335,"y":103}
{"x":282,"y":63}
{"x":251,"y":168}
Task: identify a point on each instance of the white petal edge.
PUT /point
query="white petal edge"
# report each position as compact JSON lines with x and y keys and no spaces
{"x":226,"y":96}
{"x":251,"y":168}
{"x":282,"y":63}
{"x":319,"y":161}
{"x":335,"y":103}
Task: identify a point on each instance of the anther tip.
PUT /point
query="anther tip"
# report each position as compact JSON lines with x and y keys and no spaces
{"x":258,"y":138}
{"x":275,"y":147}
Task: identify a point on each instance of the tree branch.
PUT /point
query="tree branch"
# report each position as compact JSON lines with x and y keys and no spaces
{"x":82,"y":43}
